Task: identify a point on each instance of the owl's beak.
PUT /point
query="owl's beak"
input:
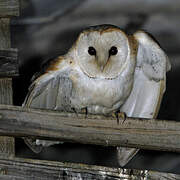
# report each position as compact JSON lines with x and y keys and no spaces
{"x":102,"y":65}
{"x":102,"y":61}
{"x":101,"y":68}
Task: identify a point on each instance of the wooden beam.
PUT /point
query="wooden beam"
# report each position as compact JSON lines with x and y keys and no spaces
{"x":9,"y":8}
{"x":8,"y":56}
{"x":6,"y":143}
{"x":6,"y":177}
{"x":5,"y":41}
{"x":51,"y":170}
{"x":100,"y":130}
{"x":6,"y":93}
{"x":8,"y":63}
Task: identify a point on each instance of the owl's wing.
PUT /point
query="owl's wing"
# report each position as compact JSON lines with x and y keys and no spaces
{"x":148,"y":88}
{"x":51,"y":90}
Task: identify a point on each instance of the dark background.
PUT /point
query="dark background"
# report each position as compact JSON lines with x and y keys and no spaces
{"x":47,"y":28}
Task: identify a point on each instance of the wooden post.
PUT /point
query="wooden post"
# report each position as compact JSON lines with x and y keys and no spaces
{"x":6,"y":143}
{"x":8,"y":8}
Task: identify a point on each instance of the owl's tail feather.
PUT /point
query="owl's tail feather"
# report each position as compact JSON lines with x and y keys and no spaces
{"x":125,"y":154}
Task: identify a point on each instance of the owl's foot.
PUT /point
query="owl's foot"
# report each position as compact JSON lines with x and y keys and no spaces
{"x":31,"y":143}
{"x":119,"y":116}
{"x":84,"y":111}
{"x":74,"y":110}
{"x":47,"y":143}
{"x":37,"y":145}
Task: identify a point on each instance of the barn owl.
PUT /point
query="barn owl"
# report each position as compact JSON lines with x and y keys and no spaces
{"x":105,"y":71}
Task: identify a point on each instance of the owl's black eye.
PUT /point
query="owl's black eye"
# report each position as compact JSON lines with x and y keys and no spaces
{"x":113,"y":51}
{"x":92,"y":51}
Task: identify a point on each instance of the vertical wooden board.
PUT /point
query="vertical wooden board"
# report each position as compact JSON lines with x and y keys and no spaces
{"x":9,"y":8}
{"x":5,"y":91}
{"x":5,"y":33}
{"x":6,"y":143}
{"x":8,"y":56}
{"x":8,"y":62}
{"x":7,"y":146}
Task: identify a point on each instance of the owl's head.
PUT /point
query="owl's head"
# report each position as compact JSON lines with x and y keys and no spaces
{"x":103,"y":51}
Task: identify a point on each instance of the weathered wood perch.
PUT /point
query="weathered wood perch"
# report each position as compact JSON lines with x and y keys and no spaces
{"x":26,"y":169}
{"x":100,"y":130}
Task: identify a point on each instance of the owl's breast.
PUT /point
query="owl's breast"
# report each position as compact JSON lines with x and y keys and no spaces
{"x":100,"y":96}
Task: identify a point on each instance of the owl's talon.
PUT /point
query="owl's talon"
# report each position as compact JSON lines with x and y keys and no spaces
{"x":74,"y":110}
{"x":119,"y":116}
{"x":84,"y":111}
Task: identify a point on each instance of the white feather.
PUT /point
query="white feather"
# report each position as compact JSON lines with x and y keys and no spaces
{"x":145,"y":96}
{"x":148,"y":88}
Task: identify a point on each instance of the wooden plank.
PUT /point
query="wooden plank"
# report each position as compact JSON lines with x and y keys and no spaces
{"x":6,"y":177}
{"x":8,"y":56}
{"x":9,"y":8}
{"x":51,"y":170}
{"x":100,"y":130}
{"x":5,"y":91}
{"x":5,"y":42}
{"x":6,"y":143}
{"x":8,"y":63}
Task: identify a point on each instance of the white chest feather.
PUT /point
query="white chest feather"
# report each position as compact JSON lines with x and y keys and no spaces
{"x":99,"y":95}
